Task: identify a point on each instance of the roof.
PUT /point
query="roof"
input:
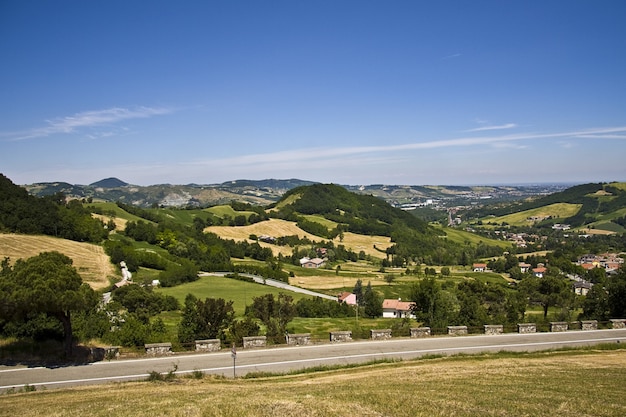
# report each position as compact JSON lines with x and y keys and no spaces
{"x":398,"y":305}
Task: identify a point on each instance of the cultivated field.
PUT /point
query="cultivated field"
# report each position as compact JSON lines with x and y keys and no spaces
{"x":90,"y":261}
{"x":277,"y":228}
{"x":562,"y":384}
{"x":524,"y":218}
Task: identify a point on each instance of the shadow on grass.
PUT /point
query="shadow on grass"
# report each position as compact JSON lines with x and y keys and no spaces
{"x":49,"y":354}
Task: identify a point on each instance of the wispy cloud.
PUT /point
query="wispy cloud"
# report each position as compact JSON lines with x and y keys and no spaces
{"x":497,"y":127}
{"x":452,"y":56}
{"x":87,"y":119}
{"x":341,"y":155}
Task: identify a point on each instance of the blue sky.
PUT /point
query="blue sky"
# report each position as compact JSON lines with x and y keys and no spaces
{"x":349,"y":92}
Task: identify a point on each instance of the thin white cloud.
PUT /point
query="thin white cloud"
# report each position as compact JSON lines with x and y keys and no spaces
{"x":87,"y":119}
{"x":297,"y":157}
{"x":497,"y":127}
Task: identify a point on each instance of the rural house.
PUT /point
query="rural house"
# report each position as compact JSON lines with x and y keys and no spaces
{"x":479,"y":267}
{"x":347,"y":297}
{"x":393,"y":308}
{"x":312,"y":263}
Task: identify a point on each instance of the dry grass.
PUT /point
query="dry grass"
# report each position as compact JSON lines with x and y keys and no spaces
{"x":90,"y":261}
{"x":279,"y":228}
{"x":550,"y":384}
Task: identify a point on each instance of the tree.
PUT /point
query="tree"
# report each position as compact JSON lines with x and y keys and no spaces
{"x":372,"y":302}
{"x":48,"y":284}
{"x":274,"y":313}
{"x":596,"y":304}
{"x":548,"y":291}
{"x":358,"y":291}
{"x":617,"y":294}
{"x":389,"y":278}
{"x":205,"y":319}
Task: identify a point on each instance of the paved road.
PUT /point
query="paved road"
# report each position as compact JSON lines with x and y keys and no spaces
{"x":273,"y":283}
{"x":282,"y":359}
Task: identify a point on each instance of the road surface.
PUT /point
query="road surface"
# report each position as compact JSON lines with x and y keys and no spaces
{"x":283,"y":359}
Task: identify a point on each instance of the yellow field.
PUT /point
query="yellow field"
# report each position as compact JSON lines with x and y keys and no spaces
{"x":90,"y":261}
{"x":277,"y":228}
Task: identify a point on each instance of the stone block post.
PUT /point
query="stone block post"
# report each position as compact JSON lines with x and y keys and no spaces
{"x":158,"y":349}
{"x":527,"y":328}
{"x":493,"y":329}
{"x":208,"y":345}
{"x":618,"y":323}
{"x":380,"y":334}
{"x":420,"y":332}
{"x":342,"y":336}
{"x":589,"y":325}
{"x":299,"y":339}
{"x":559,"y":326}
{"x":457,"y":330}
{"x":254,"y":342}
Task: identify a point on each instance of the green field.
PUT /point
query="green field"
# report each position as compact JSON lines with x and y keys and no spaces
{"x":240,"y":292}
{"x":523,"y":218}
{"x":462,"y":237}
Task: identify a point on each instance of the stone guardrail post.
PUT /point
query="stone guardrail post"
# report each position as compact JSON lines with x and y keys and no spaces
{"x":299,"y":339}
{"x":254,"y":342}
{"x":457,"y":330}
{"x":527,"y":328}
{"x":342,"y":336}
{"x":156,"y":349}
{"x":559,"y":326}
{"x":589,"y":325}
{"x":420,"y":332}
{"x":618,"y":323}
{"x":380,"y":334}
{"x":493,"y":329}
{"x":208,"y":345}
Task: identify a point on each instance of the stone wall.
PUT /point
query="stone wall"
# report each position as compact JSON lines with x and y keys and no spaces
{"x":420,"y":332}
{"x":618,"y":323}
{"x":493,"y":329}
{"x":208,"y":345}
{"x":589,"y":325}
{"x":380,"y":334}
{"x":457,"y":330}
{"x":527,"y":328}
{"x":254,"y":342}
{"x":299,"y":339}
{"x":344,"y":336}
{"x":158,"y":349}
{"x":559,"y":326}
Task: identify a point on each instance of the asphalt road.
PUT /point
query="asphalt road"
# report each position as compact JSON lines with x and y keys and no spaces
{"x":283,"y":359}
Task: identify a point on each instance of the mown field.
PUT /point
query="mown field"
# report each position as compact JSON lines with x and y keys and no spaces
{"x":561,"y":384}
{"x":277,"y":228}
{"x":523,"y":218}
{"x":90,"y":261}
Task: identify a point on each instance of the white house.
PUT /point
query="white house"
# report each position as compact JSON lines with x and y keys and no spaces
{"x":312,"y":263}
{"x":393,"y":308}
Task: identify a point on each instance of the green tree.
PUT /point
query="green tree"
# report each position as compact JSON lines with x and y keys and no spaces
{"x":617,"y":294}
{"x":372,"y":302}
{"x":549,"y":291}
{"x":358,"y":291}
{"x":205,"y":319}
{"x":596,"y":304}
{"x":48,"y":284}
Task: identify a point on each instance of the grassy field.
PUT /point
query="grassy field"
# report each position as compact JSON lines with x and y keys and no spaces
{"x":461,"y":236}
{"x":278,"y":228}
{"x":240,"y":292}
{"x":562,"y":384}
{"x":522,"y":218}
{"x":89,"y":260}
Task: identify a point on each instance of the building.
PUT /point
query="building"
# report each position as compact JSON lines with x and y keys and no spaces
{"x":347,"y":297}
{"x":393,"y":308}
{"x":479,"y":267}
{"x":312,"y":263}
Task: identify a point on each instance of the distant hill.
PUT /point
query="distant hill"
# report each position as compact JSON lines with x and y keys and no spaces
{"x":268,"y":191}
{"x":596,"y":205}
{"x":109,"y":183}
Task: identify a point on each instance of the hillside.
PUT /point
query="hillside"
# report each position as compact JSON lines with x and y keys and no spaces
{"x":90,"y":261}
{"x":599,"y":205}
